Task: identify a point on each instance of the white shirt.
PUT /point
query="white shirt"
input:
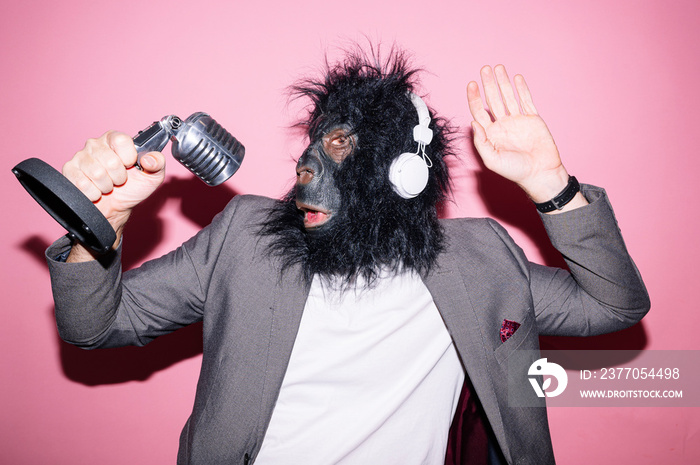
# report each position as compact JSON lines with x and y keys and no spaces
{"x":373,"y":378}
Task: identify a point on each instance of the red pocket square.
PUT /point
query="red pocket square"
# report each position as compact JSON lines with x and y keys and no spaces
{"x":508,"y":328}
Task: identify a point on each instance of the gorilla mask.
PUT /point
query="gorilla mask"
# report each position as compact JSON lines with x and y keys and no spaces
{"x":317,"y":194}
{"x":344,"y":219}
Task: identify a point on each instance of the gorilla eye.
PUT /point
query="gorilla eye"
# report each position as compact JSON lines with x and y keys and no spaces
{"x":338,"y":144}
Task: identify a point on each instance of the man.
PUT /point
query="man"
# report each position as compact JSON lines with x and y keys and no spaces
{"x":340,"y":322}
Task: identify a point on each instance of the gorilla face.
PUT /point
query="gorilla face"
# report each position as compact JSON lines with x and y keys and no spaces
{"x":317,"y":193}
{"x":343,"y":218}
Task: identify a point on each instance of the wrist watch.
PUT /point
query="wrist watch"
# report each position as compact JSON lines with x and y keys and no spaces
{"x":564,"y":197}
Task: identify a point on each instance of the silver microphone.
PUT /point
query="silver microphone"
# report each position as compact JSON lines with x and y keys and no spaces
{"x":199,"y":143}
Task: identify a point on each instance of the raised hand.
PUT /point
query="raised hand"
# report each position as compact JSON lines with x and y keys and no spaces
{"x":513,"y":140}
{"x":104,"y":170}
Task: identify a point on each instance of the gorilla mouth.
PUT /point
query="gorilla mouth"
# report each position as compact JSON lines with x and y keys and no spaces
{"x":313,"y":216}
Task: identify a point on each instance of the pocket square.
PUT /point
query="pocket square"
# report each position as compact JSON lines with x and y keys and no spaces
{"x":508,"y":328}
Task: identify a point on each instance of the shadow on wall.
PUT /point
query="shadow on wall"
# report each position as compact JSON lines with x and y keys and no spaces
{"x":123,"y":364}
{"x":200,"y":204}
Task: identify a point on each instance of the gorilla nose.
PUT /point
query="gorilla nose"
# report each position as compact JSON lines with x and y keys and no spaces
{"x":309,"y":167}
{"x":305,"y":174}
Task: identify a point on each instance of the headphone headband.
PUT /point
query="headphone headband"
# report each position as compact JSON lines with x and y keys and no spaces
{"x":421,"y":133}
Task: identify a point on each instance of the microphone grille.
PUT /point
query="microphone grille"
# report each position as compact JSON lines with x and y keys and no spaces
{"x":207,"y":149}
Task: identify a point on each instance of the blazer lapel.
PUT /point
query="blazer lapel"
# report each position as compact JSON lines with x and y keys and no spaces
{"x":450,"y":286}
{"x":450,"y":292}
{"x":289,"y":298}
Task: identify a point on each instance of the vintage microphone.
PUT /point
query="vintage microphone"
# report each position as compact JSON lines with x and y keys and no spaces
{"x":199,"y":143}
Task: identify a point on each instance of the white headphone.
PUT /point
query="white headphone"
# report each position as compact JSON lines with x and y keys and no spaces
{"x":409,"y":171}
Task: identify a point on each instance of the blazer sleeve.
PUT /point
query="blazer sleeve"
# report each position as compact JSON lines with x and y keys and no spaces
{"x":98,"y":306}
{"x":603,"y":290}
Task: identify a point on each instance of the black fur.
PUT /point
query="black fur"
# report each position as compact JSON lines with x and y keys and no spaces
{"x":375,"y":227}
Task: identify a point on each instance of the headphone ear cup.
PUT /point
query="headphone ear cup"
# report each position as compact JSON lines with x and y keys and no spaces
{"x":408,"y":175}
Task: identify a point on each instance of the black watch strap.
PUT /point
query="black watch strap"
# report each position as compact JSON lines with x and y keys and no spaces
{"x":564,"y":197}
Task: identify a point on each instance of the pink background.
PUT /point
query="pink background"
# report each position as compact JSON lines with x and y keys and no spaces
{"x":616,"y":81}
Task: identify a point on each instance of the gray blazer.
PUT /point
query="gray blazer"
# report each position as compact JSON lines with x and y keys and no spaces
{"x":251,"y":314}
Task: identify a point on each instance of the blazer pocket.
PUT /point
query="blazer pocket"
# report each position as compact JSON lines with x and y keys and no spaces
{"x":505,"y":349}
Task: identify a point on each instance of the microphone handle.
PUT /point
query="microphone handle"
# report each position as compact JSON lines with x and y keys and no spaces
{"x":155,"y":137}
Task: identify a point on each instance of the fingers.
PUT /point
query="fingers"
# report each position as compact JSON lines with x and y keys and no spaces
{"x":493,"y":95}
{"x":101,"y":164}
{"x":500,"y":96}
{"x":524,"y":94}
{"x":511,"y":103}
{"x":481,"y":142}
{"x":152,"y":162}
{"x":476,"y":105}
{"x":123,"y":146}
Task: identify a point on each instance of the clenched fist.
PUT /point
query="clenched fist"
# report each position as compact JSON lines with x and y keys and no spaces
{"x":105,"y":171}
